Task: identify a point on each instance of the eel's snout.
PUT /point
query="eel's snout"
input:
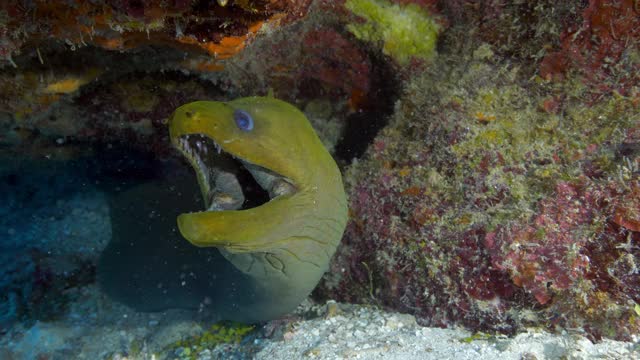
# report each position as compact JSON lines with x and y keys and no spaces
{"x":201,"y":117}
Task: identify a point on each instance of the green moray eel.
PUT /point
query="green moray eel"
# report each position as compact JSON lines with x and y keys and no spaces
{"x":285,"y":244}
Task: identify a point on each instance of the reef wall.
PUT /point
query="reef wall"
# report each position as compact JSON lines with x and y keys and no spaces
{"x":504,"y":191}
{"x":490,"y":148}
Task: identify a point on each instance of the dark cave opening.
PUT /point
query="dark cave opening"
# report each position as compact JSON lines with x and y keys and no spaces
{"x":364,"y":124}
{"x":111,"y":155}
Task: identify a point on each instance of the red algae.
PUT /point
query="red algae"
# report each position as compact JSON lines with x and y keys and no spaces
{"x":504,"y":195}
{"x":599,"y":47}
{"x":553,"y":253}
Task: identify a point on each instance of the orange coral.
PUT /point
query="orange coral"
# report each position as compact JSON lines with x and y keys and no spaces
{"x":122,"y":24}
{"x":227,"y":47}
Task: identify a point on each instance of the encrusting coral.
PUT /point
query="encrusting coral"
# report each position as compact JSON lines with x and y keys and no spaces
{"x":217,"y":30}
{"x":57,"y":57}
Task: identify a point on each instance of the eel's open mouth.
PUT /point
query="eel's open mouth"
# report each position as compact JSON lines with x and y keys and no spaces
{"x":228,"y":182}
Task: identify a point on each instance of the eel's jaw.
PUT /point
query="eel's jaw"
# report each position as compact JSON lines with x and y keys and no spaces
{"x":221,"y":189}
{"x":194,"y":149}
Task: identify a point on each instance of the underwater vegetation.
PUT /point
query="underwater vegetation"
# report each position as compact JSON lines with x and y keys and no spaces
{"x":499,"y":188}
{"x":219,"y":333}
{"x":599,"y":48}
{"x":499,"y":197}
{"x":406,"y":31}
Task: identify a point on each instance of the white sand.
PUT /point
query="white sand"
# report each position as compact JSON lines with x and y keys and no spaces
{"x":96,"y":328}
{"x":367,"y":333}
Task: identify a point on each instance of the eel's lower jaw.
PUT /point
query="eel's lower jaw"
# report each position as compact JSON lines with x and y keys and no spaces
{"x":218,"y":175}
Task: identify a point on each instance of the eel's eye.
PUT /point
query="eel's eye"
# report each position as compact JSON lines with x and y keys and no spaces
{"x":243,"y":120}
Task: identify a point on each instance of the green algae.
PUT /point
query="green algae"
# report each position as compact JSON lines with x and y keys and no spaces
{"x":482,"y":144}
{"x":499,"y":117}
{"x":535,"y":148}
{"x":491,"y":146}
{"x":405,"y":31}
{"x":219,"y":333}
{"x":479,"y":336}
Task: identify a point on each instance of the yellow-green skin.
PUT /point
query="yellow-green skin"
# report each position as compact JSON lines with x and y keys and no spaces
{"x":286,"y":244}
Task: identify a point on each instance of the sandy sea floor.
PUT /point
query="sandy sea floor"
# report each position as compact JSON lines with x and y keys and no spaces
{"x":97,"y":328}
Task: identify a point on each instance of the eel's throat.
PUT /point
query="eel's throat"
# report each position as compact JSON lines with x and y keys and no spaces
{"x":226,"y":181}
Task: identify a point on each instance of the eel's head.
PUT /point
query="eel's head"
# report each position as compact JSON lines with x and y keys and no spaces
{"x":270,"y":138}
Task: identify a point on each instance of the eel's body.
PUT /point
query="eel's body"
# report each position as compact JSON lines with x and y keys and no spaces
{"x":284,"y":245}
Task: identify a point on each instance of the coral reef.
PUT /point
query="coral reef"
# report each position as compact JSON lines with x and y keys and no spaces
{"x":29,"y":92}
{"x":503,"y":191}
{"x":55,"y":56}
{"x":135,"y":108}
{"x":312,"y":59}
{"x":132,"y":107}
{"x":63,"y":104}
{"x":60,"y":106}
{"x":576,"y":252}
{"x":600,"y":48}
{"x":496,"y":198}
{"x":217,"y":30}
